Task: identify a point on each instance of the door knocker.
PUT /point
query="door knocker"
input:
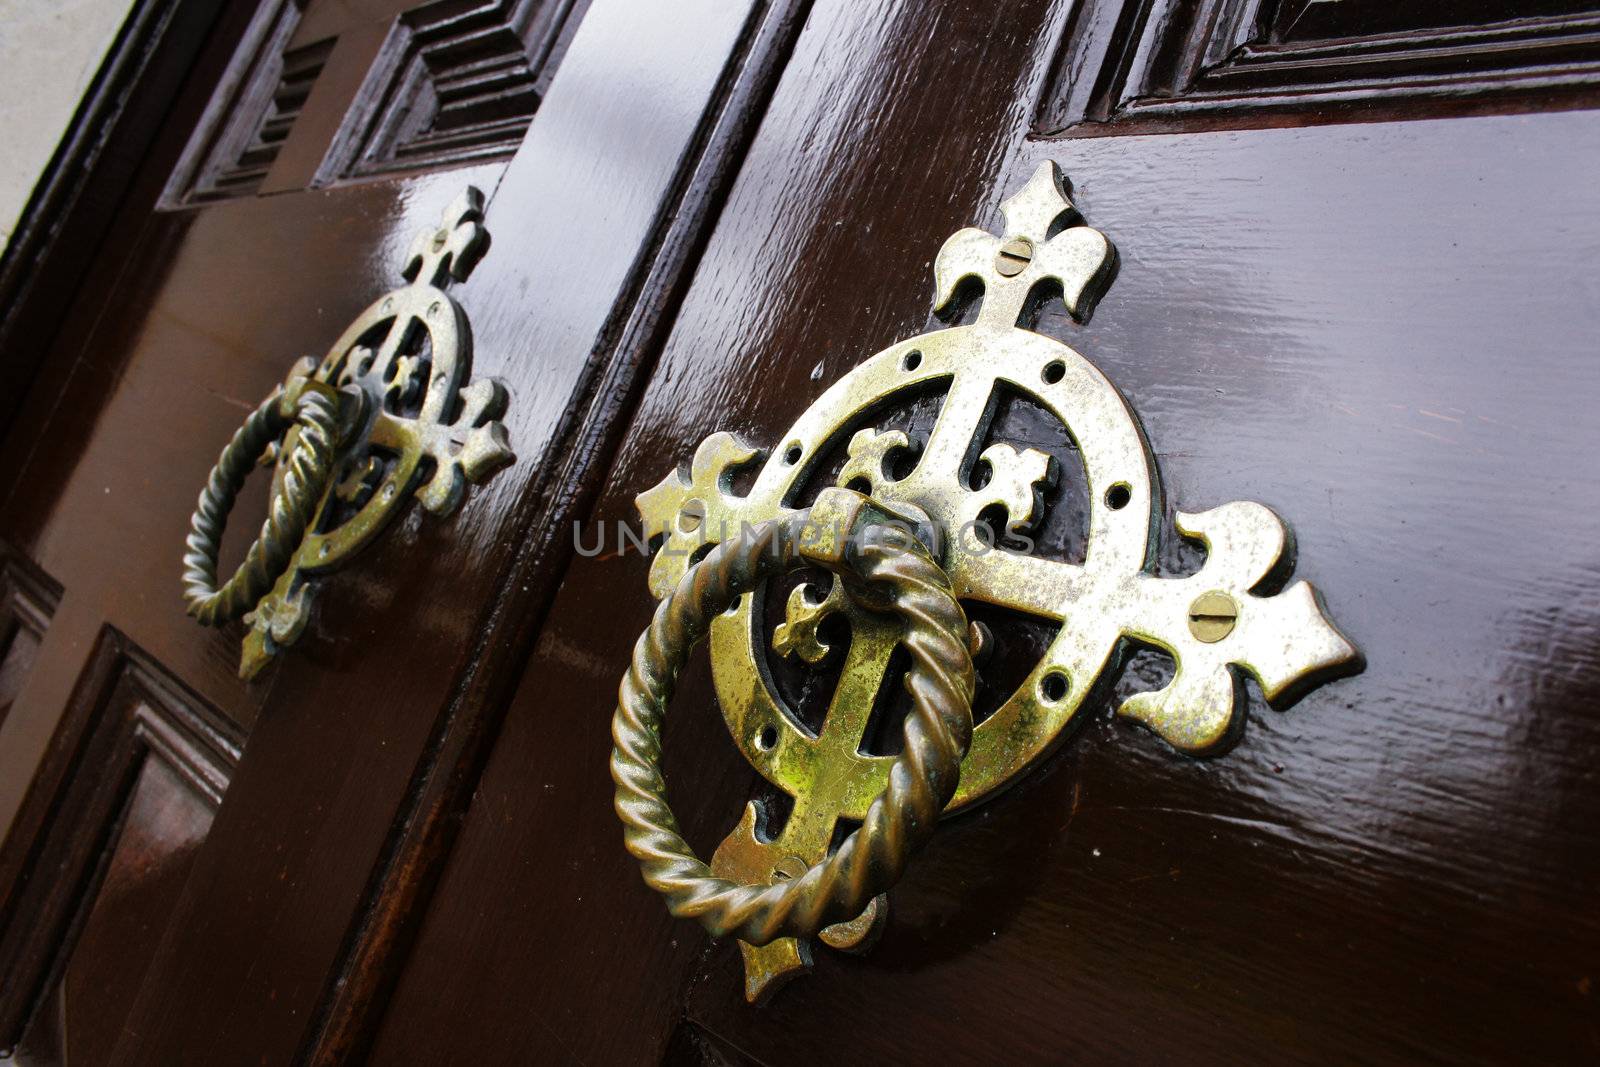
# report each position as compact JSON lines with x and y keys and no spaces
{"x":897,"y":530}
{"x":388,"y":412}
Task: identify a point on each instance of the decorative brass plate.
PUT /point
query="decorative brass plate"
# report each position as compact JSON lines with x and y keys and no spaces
{"x":411,"y":424}
{"x":1213,"y":622}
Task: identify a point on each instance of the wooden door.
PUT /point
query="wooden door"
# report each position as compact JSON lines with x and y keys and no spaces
{"x":1354,"y":286}
{"x":200,"y":869}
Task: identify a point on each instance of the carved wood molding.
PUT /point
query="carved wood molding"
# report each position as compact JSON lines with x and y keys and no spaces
{"x":124,"y":712}
{"x":1142,"y":66}
{"x":251,"y":112}
{"x":452,"y":82}
{"x":457,"y":82}
{"x":28,"y":598}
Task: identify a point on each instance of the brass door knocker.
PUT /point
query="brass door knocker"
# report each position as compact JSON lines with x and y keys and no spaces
{"x":890,"y":571}
{"x":775,"y":893}
{"x":385,"y":414}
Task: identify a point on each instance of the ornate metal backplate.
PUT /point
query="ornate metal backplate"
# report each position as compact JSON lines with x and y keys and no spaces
{"x":1214,"y":623}
{"x":423,"y":430}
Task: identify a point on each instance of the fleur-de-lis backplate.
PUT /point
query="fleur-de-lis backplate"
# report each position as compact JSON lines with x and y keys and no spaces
{"x":1215,"y":623}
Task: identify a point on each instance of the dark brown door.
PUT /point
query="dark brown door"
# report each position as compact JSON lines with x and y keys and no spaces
{"x":197,"y":867}
{"x":1355,"y":285}
{"x":1339,"y":295}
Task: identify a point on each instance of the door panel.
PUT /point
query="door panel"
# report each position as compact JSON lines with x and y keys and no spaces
{"x":229,"y":298}
{"x":1384,"y":332}
{"x":132,"y":814}
{"x":164,"y":825}
{"x":364,"y":737}
{"x":323,"y":92}
{"x":1143,"y":65}
{"x":557,"y":924}
{"x":1379,"y":869}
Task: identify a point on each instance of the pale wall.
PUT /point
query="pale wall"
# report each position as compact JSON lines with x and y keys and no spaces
{"x":49,"y":52}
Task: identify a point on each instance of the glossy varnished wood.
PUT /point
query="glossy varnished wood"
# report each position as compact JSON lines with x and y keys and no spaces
{"x":74,"y":231}
{"x":1385,"y":333}
{"x":323,"y":845}
{"x":1137,"y":67}
{"x":193,"y":347}
{"x":692,"y":146}
{"x":1302,"y":318}
{"x":152,"y":764}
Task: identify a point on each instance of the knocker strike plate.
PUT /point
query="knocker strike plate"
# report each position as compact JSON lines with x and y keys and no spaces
{"x":1213,"y":623}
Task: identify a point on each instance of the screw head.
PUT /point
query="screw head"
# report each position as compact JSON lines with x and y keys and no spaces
{"x":1014,"y":257}
{"x":1213,"y":616}
{"x":439,"y":238}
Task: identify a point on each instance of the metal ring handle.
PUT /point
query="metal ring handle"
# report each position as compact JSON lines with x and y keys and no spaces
{"x":305,"y":479}
{"x":899,"y":577}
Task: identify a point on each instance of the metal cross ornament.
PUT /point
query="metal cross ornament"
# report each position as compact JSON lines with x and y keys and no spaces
{"x":423,"y":429}
{"x":1214,"y":623}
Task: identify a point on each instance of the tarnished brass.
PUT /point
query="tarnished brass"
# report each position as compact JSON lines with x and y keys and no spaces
{"x":313,"y":410}
{"x":385,"y":414}
{"x":1103,"y":605}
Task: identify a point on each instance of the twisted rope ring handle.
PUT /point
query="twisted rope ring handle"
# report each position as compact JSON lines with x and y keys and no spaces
{"x":900,"y":578}
{"x":305,"y":478}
